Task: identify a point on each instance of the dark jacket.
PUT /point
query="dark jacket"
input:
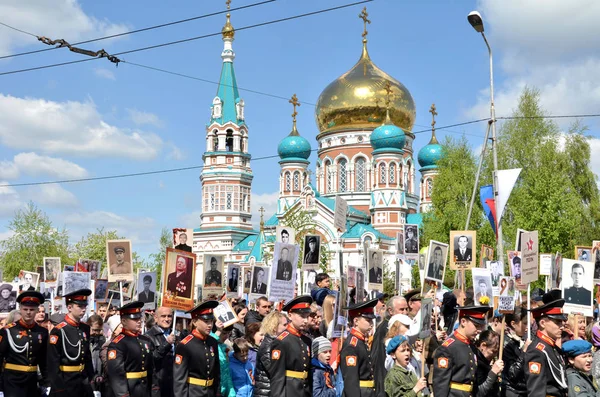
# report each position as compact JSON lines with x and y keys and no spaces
{"x":323,"y":379}
{"x":238,"y":331}
{"x":378,"y":356}
{"x":253,"y":317}
{"x":163,"y":357}
{"x":487,"y":381}
{"x":513,"y":376}
{"x":262,"y":378}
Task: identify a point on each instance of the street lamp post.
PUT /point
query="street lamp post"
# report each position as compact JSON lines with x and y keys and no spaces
{"x":475,"y":20}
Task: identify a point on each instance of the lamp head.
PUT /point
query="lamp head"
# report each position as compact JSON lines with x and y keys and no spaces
{"x":475,"y":20}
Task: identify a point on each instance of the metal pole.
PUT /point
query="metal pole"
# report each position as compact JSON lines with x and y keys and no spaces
{"x":487,"y":134}
{"x":499,"y":241}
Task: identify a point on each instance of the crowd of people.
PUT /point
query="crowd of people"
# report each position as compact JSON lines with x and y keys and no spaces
{"x":292,"y":349}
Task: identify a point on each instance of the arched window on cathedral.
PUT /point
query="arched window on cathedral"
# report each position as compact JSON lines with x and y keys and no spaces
{"x":215,"y":141}
{"x":288,"y":182}
{"x":360,"y":174}
{"x":392,"y":173}
{"x":329,"y":176}
{"x":429,"y":187}
{"x":408,"y":173}
{"x":382,"y":173}
{"x":296,"y":181}
{"x":342,"y":176}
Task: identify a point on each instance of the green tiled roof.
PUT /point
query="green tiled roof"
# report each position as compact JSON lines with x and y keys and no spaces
{"x":358,"y":230}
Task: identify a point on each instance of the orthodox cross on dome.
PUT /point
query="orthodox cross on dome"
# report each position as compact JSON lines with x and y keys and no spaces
{"x":363,"y":15}
{"x":228,"y":31}
{"x":434,"y":113}
{"x":294,"y":101}
{"x":262,"y":217}
{"x":228,"y":3}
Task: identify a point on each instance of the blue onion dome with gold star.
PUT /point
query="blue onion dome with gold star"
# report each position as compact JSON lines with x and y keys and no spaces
{"x":430,"y":154}
{"x":294,"y":148}
{"x":351,"y":102}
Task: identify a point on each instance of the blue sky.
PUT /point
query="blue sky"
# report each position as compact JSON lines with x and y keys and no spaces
{"x":93,"y":119}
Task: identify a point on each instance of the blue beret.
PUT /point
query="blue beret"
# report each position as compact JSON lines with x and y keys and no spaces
{"x":574,"y":348}
{"x":395,"y":342}
{"x":319,"y":294}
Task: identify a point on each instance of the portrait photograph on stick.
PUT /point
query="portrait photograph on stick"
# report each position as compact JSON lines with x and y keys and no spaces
{"x":312,"y":248}
{"x":118,"y":256}
{"x":285,"y":235}
{"x":146,"y":289}
{"x":557,"y":271}
{"x":28,"y":281}
{"x":100,"y":290}
{"x":482,"y":285}
{"x":437,"y":254}
{"x":486,"y":255}
{"x":496,"y":270}
{"x":577,"y":286}
{"x":247,"y":278}
{"x":375,"y":269}
{"x":73,"y":281}
{"x":596,"y":259}
{"x":260,"y":280}
{"x":283,"y":272}
{"x":400,"y":243}
{"x":52,"y":267}
{"x":583,"y":253}
{"x":462,"y":247}
{"x":183,"y":239}
{"x":179,"y":274}
{"x":515,"y":265}
{"x":233,"y":280}
{"x":225,"y":314}
{"x":411,"y":240}
{"x":213,"y":266}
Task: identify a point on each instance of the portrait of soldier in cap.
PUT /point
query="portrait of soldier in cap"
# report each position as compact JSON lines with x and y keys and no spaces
{"x":312,"y":246}
{"x":147,"y":294}
{"x":119,"y":259}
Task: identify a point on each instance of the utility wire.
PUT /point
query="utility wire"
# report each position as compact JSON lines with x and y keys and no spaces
{"x":190,"y":39}
{"x":131,"y":31}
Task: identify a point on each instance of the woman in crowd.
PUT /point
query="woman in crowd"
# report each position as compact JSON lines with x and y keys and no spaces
{"x":241,"y":369}
{"x":595,"y":338}
{"x":399,"y":324}
{"x":239,"y":329}
{"x":273,"y":324}
{"x":513,"y":376}
{"x":488,"y":346}
{"x":401,"y":380}
{"x":579,"y":380}
{"x":222,"y":335}
{"x":254,"y":338}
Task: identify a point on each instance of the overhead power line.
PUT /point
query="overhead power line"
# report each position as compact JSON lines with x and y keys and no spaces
{"x":112,"y":36}
{"x":191,"y":38}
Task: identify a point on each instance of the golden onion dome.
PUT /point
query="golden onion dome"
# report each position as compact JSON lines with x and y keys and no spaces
{"x":355,"y":100}
{"x":228,"y":31}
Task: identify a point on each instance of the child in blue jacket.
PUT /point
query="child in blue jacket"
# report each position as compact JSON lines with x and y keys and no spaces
{"x":242,"y":371}
{"x":323,"y":374}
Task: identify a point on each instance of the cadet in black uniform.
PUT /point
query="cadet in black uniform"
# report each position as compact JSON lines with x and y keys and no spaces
{"x":355,"y":361}
{"x":197,"y":372}
{"x":454,"y":362}
{"x":70,"y":367}
{"x":544,"y":363}
{"x":129,"y":356}
{"x":290,"y":370}
{"x":23,"y":347}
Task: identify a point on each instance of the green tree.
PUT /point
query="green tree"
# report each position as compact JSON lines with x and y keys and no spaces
{"x":34,"y":238}
{"x":157,"y":260}
{"x":93,"y":246}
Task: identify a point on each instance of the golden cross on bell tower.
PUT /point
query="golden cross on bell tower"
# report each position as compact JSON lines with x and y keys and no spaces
{"x":363,"y":15}
{"x":228,"y":3}
{"x":434,"y":113}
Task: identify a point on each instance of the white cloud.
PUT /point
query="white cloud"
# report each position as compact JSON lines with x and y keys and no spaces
{"x":144,"y":118}
{"x":547,"y":47}
{"x":33,"y":164}
{"x":189,"y":220}
{"x":55,"y":19}
{"x":74,"y":128}
{"x":104,"y":73}
{"x":6,"y":234}
{"x":53,"y":196}
{"x":175,"y":153}
{"x":10,"y":200}
{"x":594,"y":158}
{"x":266,"y":200}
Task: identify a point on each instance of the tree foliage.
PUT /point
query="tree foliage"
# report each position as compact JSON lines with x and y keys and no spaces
{"x":93,"y":246}
{"x":157,"y":260}
{"x":34,"y":238}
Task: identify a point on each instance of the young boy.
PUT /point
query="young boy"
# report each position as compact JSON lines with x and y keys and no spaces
{"x":242,"y":372}
{"x":400,"y":380}
{"x":323,"y":374}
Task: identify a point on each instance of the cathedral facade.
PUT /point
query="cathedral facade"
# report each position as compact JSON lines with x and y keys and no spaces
{"x":364,"y":155}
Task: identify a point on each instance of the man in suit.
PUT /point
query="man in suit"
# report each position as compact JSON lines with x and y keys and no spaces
{"x":179,"y":282}
{"x":284,"y":266}
{"x":121,"y":266}
{"x":233,"y":280}
{"x":436,"y":268}
{"x":496,"y":274}
{"x":375,"y":273}
{"x":146,"y":295}
{"x":462,"y":253}
{"x":183,"y":243}
{"x":577,"y":294}
{"x":213,"y":276}
{"x":259,"y":286}
{"x":311,"y":255}
{"x":483,"y":291}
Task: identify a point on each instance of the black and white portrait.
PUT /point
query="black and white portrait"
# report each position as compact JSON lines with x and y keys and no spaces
{"x":437,"y":254}
{"x":233,"y":278}
{"x":225,"y":314}
{"x":285,"y":235}
{"x":146,"y":287}
{"x":183,"y":239}
{"x":577,"y":286}
{"x":462,"y":246}
{"x":496,"y":270}
{"x":375,"y":267}
{"x":247,"y":277}
{"x":400,"y":243}
{"x":351,"y":276}
{"x":285,"y":259}
{"x":411,"y":239}
{"x":100,"y":290}
{"x":312,"y":247}
{"x":309,"y":281}
{"x":426,"y":312}
{"x":28,"y":281}
{"x":118,"y":255}
{"x":51,"y":269}
{"x":213,"y":276}
{"x":73,"y":281}
{"x":596,"y":259}
{"x":260,"y":278}
{"x":514,"y":258}
{"x":482,"y":286}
